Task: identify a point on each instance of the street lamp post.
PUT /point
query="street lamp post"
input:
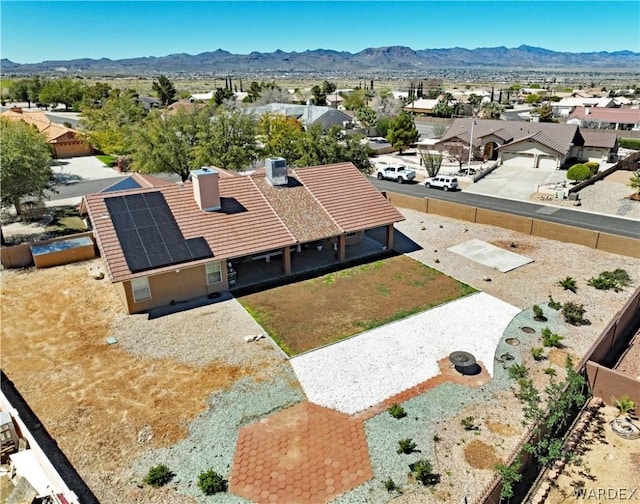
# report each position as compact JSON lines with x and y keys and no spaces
{"x":470,"y":148}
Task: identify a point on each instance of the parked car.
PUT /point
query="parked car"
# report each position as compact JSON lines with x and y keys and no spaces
{"x":444,"y":182}
{"x":398,"y":173}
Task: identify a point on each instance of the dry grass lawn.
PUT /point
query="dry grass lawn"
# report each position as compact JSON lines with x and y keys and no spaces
{"x":306,"y":315}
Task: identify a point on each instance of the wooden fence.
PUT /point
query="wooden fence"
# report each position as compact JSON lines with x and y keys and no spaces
{"x":19,"y":256}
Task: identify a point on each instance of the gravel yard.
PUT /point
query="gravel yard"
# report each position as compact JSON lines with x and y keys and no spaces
{"x":175,"y":388}
{"x":360,"y":372}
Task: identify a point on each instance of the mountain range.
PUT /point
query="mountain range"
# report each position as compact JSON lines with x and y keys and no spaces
{"x":391,"y":60}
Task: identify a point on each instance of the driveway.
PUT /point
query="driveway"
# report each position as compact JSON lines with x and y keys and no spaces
{"x":516,"y":182}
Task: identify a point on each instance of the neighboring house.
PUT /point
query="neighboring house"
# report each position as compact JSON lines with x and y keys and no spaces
{"x":181,"y":241}
{"x":196,"y":97}
{"x":65,"y":142}
{"x":334,"y":100}
{"x":308,"y":115}
{"x":600,"y":146}
{"x":421,"y":106}
{"x":565,"y":106}
{"x":527,"y":144}
{"x":149,"y":102}
{"x":606,"y":118}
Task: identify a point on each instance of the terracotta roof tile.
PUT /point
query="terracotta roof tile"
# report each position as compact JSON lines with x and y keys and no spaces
{"x":256,"y":217}
{"x":360,"y":206}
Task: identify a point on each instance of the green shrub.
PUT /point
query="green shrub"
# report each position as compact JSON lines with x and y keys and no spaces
{"x":616,"y":280}
{"x":423,"y":472}
{"x":406,"y":445}
{"x":625,"y":404}
{"x":554,"y":305}
{"x":517,"y":371}
{"x":593,"y":167}
{"x":210,"y":482}
{"x":538,"y":314}
{"x":578,"y":172}
{"x":629,"y":143}
{"x":390,"y":485}
{"x":397,"y":411}
{"x":573,"y":313}
{"x":468,"y":423}
{"x":550,"y":371}
{"x":537,"y":353}
{"x":550,"y":339}
{"x":569,"y":284}
{"x":158,"y":476}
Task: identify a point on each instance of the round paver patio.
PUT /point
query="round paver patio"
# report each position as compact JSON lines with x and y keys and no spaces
{"x":305,"y":453}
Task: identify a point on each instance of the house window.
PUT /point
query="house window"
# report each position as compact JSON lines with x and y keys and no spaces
{"x":141,"y":290}
{"x":213,"y":273}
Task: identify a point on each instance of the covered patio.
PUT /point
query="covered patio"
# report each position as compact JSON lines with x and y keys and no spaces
{"x":268,"y":268}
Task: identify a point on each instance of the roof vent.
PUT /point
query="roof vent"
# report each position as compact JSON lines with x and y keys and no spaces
{"x":206,"y":190}
{"x":276,"y":171}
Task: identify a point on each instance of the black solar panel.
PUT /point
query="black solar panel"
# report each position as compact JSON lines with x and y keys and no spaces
{"x":148,"y":233}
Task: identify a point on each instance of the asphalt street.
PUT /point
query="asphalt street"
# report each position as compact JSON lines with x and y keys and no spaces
{"x":580,"y":218}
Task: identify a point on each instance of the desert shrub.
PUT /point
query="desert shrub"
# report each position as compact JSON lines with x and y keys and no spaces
{"x":517,"y":371}
{"x":625,"y":404}
{"x":510,"y":474}
{"x":569,"y":284}
{"x":550,"y":371}
{"x":550,"y":339}
{"x":158,"y":476}
{"x":210,"y":482}
{"x":573,"y":313}
{"x":406,"y":445}
{"x":390,"y":485}
{"x":468,"y":423}
{"x":593,"y":167}
{"x":537,"y":353}
{"x":554,"y":305}
{"x":629,"y":143}
{"x":616,"y":280}
{"x":538,"y":314}
{"x":578,"y":172}
{"x":397,"y":411}
{"x":423,"y":472}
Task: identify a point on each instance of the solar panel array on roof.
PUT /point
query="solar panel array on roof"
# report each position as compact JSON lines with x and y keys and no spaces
{"x":149,"y":235}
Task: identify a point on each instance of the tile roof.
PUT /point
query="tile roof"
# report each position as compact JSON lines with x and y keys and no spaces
{"x":53,"y":132}
{"x":558,"y":136}
{"x":255,"y":217}
{"x":609,"y":115}
{"x":347,"y":196}
{"x":299,"y":210}
{"x":606,"y":139}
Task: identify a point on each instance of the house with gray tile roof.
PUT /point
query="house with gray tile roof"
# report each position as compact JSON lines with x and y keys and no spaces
{"x":528,"y":144}
{"x":308,"y":115}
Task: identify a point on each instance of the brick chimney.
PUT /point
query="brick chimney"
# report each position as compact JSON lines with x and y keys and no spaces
{"x":206,"y":190}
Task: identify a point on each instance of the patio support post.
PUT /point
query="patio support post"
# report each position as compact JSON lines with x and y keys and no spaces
{"x":286,"y":261}
{"x":342,"y":247}
{"x":389,"y":236}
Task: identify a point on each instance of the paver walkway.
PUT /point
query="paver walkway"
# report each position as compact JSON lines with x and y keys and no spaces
{"x":306,"y":453}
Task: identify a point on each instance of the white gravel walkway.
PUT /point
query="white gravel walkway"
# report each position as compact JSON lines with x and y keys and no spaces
{"x":357,"y":373}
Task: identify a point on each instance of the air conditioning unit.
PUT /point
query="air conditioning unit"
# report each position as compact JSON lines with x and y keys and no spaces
{"x":276,"y":169}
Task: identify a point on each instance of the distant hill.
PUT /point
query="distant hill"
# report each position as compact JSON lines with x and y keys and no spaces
{"x":393,"y":59}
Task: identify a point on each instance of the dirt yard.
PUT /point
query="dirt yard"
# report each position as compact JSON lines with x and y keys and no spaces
{"x":103,"y":404}
{"x":332,"y":307}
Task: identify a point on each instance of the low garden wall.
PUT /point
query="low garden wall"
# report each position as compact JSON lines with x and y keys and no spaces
{"x":598,"y":240}
{"x":20,"y":256}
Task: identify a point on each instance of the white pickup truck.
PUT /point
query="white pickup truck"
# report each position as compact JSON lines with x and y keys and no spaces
{"x":399,"y":173}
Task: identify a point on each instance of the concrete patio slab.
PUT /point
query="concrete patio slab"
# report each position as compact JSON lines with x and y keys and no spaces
{"x":490,"y":255}
{"x":360,"y":372}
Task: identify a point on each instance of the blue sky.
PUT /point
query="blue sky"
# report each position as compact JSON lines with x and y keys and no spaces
{"x":60,"y":30}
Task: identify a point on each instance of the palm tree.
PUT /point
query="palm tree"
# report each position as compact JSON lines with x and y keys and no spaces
{"x":492,"y":110}
{"x":474,"y":101}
